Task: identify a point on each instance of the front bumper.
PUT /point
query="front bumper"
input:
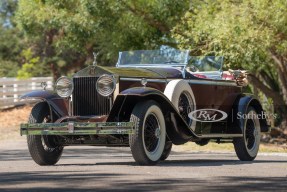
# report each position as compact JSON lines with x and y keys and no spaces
{"x":77,"y":128}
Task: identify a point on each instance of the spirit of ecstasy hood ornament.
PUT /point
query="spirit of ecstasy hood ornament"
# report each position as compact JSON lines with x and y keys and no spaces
{"x":95,"y":58}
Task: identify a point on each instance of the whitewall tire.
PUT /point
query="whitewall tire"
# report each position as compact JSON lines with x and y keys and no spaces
{"x":148,"y":142}
{"x":181,"y":95}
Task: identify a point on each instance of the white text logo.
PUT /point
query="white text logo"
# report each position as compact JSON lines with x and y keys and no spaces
{"x":207,"y":115}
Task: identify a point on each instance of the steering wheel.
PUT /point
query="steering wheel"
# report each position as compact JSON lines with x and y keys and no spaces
{"x":192,"y":68}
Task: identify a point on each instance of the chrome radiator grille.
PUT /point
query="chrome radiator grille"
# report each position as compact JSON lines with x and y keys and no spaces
{"x":86,"y":100}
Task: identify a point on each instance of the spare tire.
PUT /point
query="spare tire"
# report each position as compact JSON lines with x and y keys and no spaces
{"x":181,"y":95}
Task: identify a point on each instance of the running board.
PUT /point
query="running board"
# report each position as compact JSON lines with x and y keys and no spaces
{"x":220,"y":136}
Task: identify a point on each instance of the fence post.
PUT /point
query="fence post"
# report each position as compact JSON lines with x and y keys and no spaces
{"x":4,"y":89}
{"x":11,"y":89}
{"x":49,"y":84}
{"x":33,"y":84}
{"x":15,"y":86}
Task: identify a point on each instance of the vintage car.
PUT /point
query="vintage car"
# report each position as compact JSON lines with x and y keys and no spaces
{"x":148,"y":102}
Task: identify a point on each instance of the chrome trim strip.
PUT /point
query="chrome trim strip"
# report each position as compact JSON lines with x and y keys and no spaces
{"x":71,"y":106}
{"x":220,"y":135}
{"x":171,"y":65}
{"x":148,"y":80}
{"x":213,"y":82}
{"x":117,"y":91}
{"x":77,"y":128}
{"x":118,"y":62}
{"x":191,"y":81}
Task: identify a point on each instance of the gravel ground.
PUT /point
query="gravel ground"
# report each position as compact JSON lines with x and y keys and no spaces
{"x":113,"y":169}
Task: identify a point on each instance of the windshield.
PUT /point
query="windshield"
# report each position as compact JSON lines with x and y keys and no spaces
{"x":168,"y":56}
{"x":163,"y":56}
{"x":205,"y":63}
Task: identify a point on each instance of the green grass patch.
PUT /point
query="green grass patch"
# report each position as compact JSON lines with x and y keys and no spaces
{"x":227,"y":147}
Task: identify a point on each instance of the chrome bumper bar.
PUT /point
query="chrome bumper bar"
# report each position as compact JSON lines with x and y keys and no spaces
{"x":77,"y":128}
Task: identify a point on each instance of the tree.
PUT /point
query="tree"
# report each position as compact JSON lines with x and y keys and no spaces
{"x":10,"y":38}
{"x":250,"y":34}
{"x":67,"y":32}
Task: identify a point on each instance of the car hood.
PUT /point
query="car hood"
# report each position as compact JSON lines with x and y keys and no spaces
{"x":139,"y":72}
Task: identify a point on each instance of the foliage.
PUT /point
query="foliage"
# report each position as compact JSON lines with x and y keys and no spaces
{"x":250,"y":34}
{"x":31,"y":66}
{"x":8,"y":68}
{"x":9,"y":52}
{"x":10,"y":40}
{"x":60,"y":36}
{"x":239,"y":30}
{"x":7,"y":10}
{"x":69,"y":31}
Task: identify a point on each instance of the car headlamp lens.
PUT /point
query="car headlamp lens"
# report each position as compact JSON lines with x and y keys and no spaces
{"x":64,"y":87}
{"x":106,"y":85}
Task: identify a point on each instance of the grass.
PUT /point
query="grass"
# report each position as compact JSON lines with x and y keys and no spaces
{"x":227,"y":147}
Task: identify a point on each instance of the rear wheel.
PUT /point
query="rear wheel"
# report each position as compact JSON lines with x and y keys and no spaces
{"x":166,"y":151}
{"x":247,"y":146}
{"x":43,"y":149}
{"x":148,"y":142}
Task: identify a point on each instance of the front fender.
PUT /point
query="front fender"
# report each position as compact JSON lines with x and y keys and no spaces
{"x":177,"y":130}
{"x":245,"y":101}
{"x":56,"y":104}
{"x":40,"y":94}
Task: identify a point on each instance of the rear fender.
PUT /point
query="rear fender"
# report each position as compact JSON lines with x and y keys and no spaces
{"x":240,"y":107}
{"x":57,"y":105}
{"x":177,"y":130}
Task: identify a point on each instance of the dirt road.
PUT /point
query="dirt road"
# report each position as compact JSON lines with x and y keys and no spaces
{"x":113,"y":169}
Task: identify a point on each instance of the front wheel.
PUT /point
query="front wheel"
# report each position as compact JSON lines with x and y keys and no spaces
{"x":247,"y":147}
{"x":166,"y":151}
{"x":148,"y":142}
{"x":43,"y":149}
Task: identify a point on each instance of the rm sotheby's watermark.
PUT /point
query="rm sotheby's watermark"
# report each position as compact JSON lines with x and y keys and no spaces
{"x":207,"y":115}
{"x":215,"y":115}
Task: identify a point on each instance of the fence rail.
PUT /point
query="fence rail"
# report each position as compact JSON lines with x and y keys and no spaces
{"x":11,"y":89}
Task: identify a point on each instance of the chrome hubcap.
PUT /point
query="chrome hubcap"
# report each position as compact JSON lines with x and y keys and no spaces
{"x":157,"y":133}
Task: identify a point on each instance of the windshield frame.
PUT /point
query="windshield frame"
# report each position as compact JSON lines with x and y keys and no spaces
{"x":171,"y":64}
{"x":183,"y":66}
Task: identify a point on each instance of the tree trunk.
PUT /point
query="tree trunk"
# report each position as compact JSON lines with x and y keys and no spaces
{"x":281,"y":68}
{"x":278,"y":101}
{"x":275,"y":96}
{"x":54,"y":71}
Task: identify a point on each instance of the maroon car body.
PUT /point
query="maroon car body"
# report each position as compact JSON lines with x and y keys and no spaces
{"x":148,"y":106}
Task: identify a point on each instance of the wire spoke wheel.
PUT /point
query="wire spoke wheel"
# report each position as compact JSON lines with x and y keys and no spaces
{"x":185,"y":106}
{"x":151,"y":133}
{"x":43,"y":148}
{"x":250,"y":134}
{"x":247,"y":147}
{"x":148,"y":142}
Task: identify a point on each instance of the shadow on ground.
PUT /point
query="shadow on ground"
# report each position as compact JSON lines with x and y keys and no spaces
{"x":77,"y":181}
{"x":86,"y":179}
{"x":123,"y":153}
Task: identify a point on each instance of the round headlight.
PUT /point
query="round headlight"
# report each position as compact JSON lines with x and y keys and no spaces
{"x":106,"y":85}
{"x":64,"y":87}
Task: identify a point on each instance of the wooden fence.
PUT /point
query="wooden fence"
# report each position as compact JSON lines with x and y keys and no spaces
{"x":11,"y":89}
